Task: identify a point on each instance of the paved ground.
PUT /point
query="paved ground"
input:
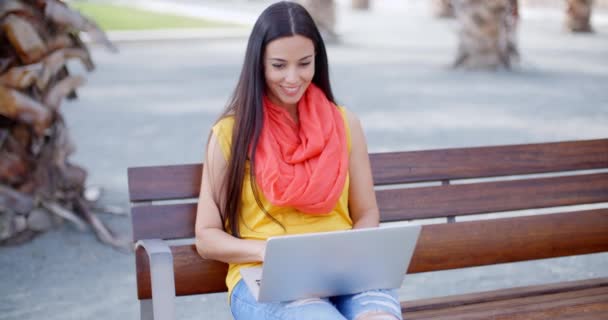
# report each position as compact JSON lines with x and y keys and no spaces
{"x":154,"y":103}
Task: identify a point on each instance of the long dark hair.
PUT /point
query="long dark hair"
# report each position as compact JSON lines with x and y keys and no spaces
{"x":282,"y":19}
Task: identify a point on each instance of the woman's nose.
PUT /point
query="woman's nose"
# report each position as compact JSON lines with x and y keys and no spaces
{"x":292,"y":75}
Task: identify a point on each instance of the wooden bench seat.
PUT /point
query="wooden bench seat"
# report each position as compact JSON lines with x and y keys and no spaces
{"x":447,"y":184}
{"x":585,"y":299}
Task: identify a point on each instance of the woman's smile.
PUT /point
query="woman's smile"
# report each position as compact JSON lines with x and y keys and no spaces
{"x":291,"y":90}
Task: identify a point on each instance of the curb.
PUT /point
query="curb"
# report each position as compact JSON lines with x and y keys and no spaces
{"x":174,"y":35}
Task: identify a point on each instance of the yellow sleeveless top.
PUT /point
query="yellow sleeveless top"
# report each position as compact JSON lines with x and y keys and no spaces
{"x":254,"y":224}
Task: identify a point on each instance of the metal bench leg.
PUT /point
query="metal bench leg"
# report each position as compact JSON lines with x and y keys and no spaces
{"x":162,"y":304}
{"x":145,"y":309}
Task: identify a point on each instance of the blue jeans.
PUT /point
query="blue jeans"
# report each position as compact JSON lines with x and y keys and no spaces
{"x":244,"y":306}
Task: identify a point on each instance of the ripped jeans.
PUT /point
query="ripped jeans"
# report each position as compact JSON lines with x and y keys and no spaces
{"x":244,"y":306}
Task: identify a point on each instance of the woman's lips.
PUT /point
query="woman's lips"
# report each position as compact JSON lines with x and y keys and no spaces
{"x":290,"y":91}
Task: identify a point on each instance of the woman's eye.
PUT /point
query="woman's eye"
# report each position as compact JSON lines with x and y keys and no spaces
{"x":278,"y":66}
{"x":305,"y":63}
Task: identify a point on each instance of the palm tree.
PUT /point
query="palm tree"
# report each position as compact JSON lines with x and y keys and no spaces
{"x":323,"y":13}
{"x":578,"y":15}
{"x":443,"y":8}
{"x":487,"y":35}
{"x":38,"y":184}
{"x":360,"y":4}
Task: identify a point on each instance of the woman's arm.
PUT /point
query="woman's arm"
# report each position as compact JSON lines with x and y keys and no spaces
{"x":361,"y":195}
{"x":212,"y":242}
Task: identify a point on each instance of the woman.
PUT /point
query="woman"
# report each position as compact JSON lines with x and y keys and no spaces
{"x":284,"y":159}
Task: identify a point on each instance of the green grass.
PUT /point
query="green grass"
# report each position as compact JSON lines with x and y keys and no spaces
{"x":114,"y":17}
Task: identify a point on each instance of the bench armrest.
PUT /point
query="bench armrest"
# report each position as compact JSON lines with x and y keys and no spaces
{"x":162,"y":277}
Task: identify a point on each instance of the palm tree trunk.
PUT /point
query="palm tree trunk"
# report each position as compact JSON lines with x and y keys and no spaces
{"x":578,"y":15}
{"x":39,"y":185}
{"x":443,"y":8}
{"x":360,"y":4}
{"x":487,"y":35}
{"x":323,"y":13}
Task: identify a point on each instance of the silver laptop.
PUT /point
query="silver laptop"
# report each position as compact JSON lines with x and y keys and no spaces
{"x":332,"y":263}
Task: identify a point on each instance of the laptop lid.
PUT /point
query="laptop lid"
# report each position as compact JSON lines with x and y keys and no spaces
{"x":335,"y":263}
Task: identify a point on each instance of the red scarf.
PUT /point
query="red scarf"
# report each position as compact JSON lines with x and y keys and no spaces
{"x":303,"y":165}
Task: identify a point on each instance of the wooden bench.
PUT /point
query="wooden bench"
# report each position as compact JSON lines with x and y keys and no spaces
{"x":178,"y":270}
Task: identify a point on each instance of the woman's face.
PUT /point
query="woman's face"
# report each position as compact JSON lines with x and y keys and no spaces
{"x":289,"y":66}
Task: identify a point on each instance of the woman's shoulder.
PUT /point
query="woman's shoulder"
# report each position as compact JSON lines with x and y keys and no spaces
{"x":223,"y":126}
{"x":224,"y":122}
{"x":350,"y":117}
{"x":350,"y":121}
{"x":222,"y":130}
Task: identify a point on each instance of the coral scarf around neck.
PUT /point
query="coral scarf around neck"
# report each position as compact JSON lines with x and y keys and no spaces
{"x":303,"y":165}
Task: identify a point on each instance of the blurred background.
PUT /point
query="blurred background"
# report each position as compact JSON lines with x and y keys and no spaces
{"x":420,"y":74}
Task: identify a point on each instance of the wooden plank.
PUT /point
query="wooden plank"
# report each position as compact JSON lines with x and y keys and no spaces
{"x":177,"y":221}
{"x":192,"y":274}
{"x":543,"y":306}
{"x":485,"y":242}
{"x":584,"y":311}
{"x":493,"y":161}
{"x":171,"y":221}
{"x":476,"y":198}
{"x":440,"y":247}
{"x":164,"y":182}
{"x":515,"y":308}
{"x":502,"y":294}
{"x":182,"y":181}
{"x":584,"y":308}
{"x":591,"y":313}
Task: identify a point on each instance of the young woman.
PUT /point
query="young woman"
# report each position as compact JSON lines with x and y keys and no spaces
{"x":284,"y":159}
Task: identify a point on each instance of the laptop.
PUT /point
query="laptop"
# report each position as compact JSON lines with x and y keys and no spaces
{"x":332,"y":263}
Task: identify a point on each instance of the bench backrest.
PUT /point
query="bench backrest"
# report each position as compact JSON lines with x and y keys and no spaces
{"x":454,"y":183}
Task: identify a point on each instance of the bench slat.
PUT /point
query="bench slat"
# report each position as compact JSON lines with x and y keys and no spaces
{"x":464,"y":163}
{"x":466,"y":199}
{"x":183,"y":181}
{"x":533,"y":307}
{"x":164,"y":182}
{"x":502,"y":294}
{"x":486,"y":242}
{"x":177,"y":221}
{"x":170,"y":221}
{"x":440,"y":247}
{"x":192,"y":274}
{"x":593,"y":313}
